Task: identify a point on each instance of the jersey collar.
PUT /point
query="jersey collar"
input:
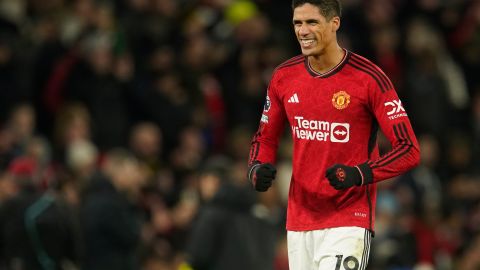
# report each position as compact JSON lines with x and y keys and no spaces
{"x":332,"y":71}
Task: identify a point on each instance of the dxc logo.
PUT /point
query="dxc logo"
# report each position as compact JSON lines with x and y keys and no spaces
{"x":396,"y":106}
{"x":396,"y":109}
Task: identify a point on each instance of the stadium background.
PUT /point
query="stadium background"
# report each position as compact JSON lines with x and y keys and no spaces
{"x":181,"y":85}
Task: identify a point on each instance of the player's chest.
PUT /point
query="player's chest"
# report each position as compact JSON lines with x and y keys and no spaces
{"x":323,"y":99}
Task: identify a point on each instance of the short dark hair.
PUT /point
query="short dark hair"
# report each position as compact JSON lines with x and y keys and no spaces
{"x":328,"y":8}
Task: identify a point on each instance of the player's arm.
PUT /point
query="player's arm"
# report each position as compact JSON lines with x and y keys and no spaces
{"x":394,"y":123}
{"x":263,"y":149}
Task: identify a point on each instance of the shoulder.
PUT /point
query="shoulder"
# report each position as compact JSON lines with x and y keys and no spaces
{"x":288,"y":64}
{"x":371,"y":71}
{"x":362,"y":61}
{"x":288,"y":68}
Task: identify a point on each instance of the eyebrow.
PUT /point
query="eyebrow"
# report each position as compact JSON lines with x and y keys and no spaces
{"x":307,"y":21}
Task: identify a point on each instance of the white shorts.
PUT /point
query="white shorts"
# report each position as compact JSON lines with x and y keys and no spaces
{"x":343,"y":248}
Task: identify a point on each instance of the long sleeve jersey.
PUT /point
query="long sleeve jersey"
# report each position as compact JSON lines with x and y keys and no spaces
{"x":334,"y":118}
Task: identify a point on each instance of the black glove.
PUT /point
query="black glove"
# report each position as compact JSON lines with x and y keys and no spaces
{"x":261,"y":176}
{"x":342,"y":176}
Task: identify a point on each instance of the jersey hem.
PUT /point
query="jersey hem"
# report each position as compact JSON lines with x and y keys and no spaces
{"x":313,"y":227}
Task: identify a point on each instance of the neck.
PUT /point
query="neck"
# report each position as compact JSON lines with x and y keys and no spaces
{"x":327,"y":60}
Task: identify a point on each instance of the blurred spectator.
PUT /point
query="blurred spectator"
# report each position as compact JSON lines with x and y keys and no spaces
{"x":424,"y":181}
{"x":81,"y":160}
{"x":37,"y":231}
{"x":71,"y":125}
{"x":21,"y":126}
{"x":93,"y":84}
{"x":168,"y":105}
{"x":146,"y":144}
{"x":225,"y":234}
{"x":190,"y":152}
{"x":432,"y":76}
{"x":110,"y":221}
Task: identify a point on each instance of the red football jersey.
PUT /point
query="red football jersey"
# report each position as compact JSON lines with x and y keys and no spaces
{"x":334,"y":118}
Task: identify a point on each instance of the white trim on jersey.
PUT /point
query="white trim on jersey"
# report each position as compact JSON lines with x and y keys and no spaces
{"x":294,"y":99}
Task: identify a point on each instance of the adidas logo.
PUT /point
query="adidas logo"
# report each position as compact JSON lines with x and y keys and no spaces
{"x":293,"y":99}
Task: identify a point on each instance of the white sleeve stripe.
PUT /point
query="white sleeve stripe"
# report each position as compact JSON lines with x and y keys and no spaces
{"x":251,"y":170}
{"x":361,"y":174}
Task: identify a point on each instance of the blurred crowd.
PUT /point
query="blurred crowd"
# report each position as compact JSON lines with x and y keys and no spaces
{"x":125,"y":127}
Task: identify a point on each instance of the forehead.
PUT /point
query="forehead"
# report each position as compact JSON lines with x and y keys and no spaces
{"x":307,"y":11}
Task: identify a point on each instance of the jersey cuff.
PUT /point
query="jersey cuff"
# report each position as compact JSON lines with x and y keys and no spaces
{"x":252,"y":167}
{"x":366,"y":173}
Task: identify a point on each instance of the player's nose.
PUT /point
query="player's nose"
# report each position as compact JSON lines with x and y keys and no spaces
{"x":303,"y":30}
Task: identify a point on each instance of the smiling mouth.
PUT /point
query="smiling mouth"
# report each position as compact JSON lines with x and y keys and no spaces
{"x":307,"y":42}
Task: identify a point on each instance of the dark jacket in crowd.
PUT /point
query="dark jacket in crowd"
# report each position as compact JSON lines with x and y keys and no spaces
{"x":110,"y":227}
{"x":227,"y":236}
{"x":37,"y":232}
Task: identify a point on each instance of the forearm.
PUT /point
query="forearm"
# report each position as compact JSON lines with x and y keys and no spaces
{"x":404,"y":155}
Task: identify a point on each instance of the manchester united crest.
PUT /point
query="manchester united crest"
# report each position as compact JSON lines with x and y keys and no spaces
{"x":341,"y":100}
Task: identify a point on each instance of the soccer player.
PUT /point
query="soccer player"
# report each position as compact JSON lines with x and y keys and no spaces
{"x":334,"y":101}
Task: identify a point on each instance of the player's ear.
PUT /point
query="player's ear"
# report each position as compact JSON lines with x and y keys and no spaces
{"x":335,"y":23}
